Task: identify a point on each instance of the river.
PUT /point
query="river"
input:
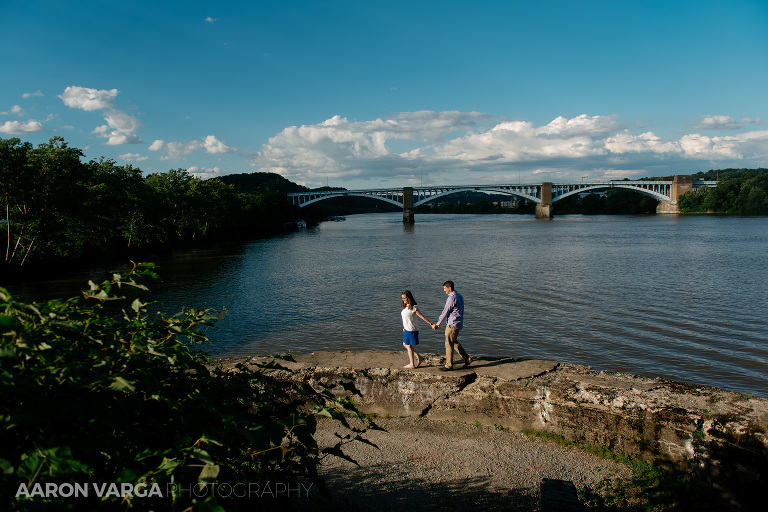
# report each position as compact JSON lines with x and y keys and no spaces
{"x":679,"y":297}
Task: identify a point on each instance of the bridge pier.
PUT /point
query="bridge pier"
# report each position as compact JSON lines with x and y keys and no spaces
{"x":544,"y":209}
{"x":680,"y":185}
{"x":408,"y":217}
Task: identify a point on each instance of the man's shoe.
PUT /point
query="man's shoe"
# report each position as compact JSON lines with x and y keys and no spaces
{"x":467,"y":363}
{"x":445,"y":369}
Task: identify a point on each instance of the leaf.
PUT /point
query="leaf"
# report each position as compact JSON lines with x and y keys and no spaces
{"x":6,"y":467}
{"x":9,"y":323}
{"x":120,"y":384}
{"x":208,"y":473}
{"x":199,"y":454}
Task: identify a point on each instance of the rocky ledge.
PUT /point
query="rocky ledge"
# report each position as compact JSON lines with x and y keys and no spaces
{"x":718,"y":435}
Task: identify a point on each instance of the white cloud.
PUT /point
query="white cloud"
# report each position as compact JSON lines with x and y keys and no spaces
{"x":32,"y":94}
{"x":213,"y":146}
{"x":177,"y":150}
{"x":625,"y":142}
{"x":132,"y":157}
{"x":211,"y":19}
{"x":117,"y":139}
{"x":581,"y":125}
{"x":19,"y":128}
{"x":122,"y":122}
{"x":455,"y":147}
{"x":85,"y":98}
{"x":17,"y":110}
{"x":718,"y":123}
{"x":701,"y":146}
{"x":174,"y":150}
{"x":206,"y":173}
{"x":120,"y":129}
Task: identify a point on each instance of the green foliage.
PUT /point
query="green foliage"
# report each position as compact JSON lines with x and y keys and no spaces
{"x":59,"y":209}
{"x":260,"y":182}
{"x":97,"y":390}
{"x":724,"y":174}
{"x":739,"y":192}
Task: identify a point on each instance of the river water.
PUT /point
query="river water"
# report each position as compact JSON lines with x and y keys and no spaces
{"x":680,"y":297}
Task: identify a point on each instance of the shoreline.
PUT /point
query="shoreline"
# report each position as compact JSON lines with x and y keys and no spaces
{"x":719,"y":436}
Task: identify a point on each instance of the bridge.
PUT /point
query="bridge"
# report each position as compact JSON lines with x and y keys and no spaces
{"x":545,"y":194}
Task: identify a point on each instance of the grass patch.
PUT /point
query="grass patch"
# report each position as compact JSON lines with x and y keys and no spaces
{"x":650,"y":488}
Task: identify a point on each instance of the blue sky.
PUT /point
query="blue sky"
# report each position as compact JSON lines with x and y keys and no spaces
{"x":363,"y":94}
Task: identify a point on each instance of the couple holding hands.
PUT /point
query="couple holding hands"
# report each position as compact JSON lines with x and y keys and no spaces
{"x":452,"y":314}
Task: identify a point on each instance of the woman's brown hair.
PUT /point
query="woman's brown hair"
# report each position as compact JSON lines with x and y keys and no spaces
{"x":409,"y":295}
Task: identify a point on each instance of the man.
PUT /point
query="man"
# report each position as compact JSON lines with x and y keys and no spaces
{"x":453,"y":313}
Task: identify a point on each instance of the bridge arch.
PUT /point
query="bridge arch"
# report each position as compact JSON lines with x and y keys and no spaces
{"x":348,"y":194}
{"x":444,"y":193}
{"x":656,"y":194}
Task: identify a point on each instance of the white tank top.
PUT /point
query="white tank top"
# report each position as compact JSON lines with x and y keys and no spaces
{"x":409,"y":318}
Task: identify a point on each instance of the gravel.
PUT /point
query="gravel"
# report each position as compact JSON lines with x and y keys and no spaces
{"x":422,"y":464}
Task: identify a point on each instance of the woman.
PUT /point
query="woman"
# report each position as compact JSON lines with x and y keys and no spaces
{"x":410,"y":329}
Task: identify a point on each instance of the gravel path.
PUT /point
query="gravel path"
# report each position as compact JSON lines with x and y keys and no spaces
{"x":422,"y":464}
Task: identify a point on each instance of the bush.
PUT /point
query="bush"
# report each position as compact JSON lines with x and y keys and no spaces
{"x":97,"y":392}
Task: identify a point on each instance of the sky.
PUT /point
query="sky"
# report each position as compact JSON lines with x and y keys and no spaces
{"x":364,"y":95}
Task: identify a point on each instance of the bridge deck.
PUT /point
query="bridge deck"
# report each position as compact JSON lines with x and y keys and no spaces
{"x":661,"y":190}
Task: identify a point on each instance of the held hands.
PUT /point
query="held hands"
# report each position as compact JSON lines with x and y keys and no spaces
{"x":434,"y":327}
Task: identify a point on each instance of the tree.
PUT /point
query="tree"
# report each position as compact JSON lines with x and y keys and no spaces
{"x":592,"y":204}
{"x":44,"y":190}
{"x":98,"y":390}
{"x":117,"y":202}
{"x":753,"y":196}
{"x":171,"y":203}
{"x":13,"y":162}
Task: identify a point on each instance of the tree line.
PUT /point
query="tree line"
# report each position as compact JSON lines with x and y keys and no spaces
{"x":59,"y":209}
{"x":738,"y":192}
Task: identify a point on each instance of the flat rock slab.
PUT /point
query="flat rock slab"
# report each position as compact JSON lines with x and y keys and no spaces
{"x":503,"y":368}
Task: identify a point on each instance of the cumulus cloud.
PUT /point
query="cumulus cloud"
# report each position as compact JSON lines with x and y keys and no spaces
{"x":120,"y":129}
{"x":116,"y":138}
{"x":132,"y":157}
{"x":211,"y":19}
{"x":721,"y":122}
{"x":718,"y":123}
{"x":206,"y":173}
{"x":455,"y":147}
{"x":19,"y":128}
{"x":32,"y":94}
{"x":17,"y":110}
{"x":177,"y":150}
{"x":213,"y":145}
{"x":85,"y":98}
{"x":122,"y":122}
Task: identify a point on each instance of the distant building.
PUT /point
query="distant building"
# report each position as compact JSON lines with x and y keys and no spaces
{"x":507,"y":204}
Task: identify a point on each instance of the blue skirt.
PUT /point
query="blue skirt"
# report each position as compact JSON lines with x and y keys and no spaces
{"x":410,"y":337}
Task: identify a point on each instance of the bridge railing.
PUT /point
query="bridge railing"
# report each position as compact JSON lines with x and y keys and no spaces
{"x":661,"y":189}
